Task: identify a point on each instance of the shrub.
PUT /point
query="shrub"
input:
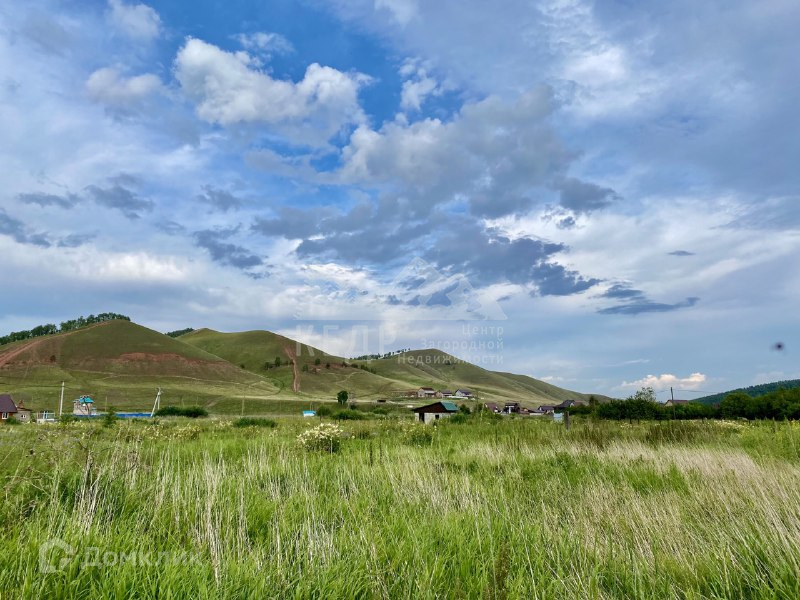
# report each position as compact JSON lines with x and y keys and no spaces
{"x":254,"y":422}
{"x":349,"y":415}
{"x":326,"y":437}
{"x":110,"y":418}
{"x":459,"y":418}
{"x":192,"y":412}
{"x":324,"y":411}
{"x":418,"y":434}
{"x":12,"y":421}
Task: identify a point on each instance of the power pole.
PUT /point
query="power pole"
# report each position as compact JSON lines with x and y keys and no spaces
{"x":157,"y":403}
{"x":672,"y":394}
{"x":61,"y":402}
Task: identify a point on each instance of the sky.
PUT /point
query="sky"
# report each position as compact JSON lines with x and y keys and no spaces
{"x":603,"y":195}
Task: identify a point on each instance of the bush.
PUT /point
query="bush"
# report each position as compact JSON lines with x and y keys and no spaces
{"x":458,"y":418}
{"x":12,"y":421}
{"x":254,"y":422}
{"x":110,"y":418}
{"x":192,"y":412}
{"x":324,"y":411}
{"x":349,"y":415}
{"x":326,"y":437}
{"x":418,"y":434}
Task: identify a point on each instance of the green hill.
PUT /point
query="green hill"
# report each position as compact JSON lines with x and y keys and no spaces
{"x":121,"y":364}
{"x":386,"y":378}
{"x":753,"y":391}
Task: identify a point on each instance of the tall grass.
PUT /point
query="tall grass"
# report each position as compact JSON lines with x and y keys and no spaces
{"x":508,"y":509}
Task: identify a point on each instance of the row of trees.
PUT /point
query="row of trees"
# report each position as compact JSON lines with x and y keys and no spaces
{"x":51,"y":328}
{"x":781,"y":404}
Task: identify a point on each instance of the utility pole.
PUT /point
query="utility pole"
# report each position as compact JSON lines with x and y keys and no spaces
{"x":672,"y":394}
{"x":61,"y":402}
{"x":157,"y":403}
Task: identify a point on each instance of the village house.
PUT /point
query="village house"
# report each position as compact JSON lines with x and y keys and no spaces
{"x":491,"y":406}
{"x":511,"y":407}
{"x":462,"y":393}
{"x":446,"y":393}
{"x":10,"y":409}
{"x":544,"y":409}
{"x":672,"y":402}
{"x":433,"y":412}
{"x":426,"y":392}
{"x":7,"y":407}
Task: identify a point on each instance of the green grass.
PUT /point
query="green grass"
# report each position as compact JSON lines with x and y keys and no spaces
{"x":507,"y":508}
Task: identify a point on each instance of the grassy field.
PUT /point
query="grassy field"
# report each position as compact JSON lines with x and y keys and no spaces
{"x":507,"y":508}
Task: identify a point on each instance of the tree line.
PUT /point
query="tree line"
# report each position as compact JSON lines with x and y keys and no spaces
{"x":69,"y":325}
{"x":642,"y":406}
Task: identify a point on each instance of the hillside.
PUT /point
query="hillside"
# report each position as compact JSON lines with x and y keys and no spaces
{"x":120,"y":363}
{"x":753,"y":391}
{"x":386,"y":378}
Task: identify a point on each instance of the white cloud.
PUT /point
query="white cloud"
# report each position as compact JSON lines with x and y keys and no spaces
{"x":665,"y":381}
{"x":137,"y":21}
{"x":108,"y":86}
{"x":402,"y":11}
{"x":229,"y":89}
{"x":417,"y":87}
{"x":493,"y":153}
{"x":264,"y":43}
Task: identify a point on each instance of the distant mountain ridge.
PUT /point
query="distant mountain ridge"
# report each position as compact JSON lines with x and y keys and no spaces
{"x":753,"y":391}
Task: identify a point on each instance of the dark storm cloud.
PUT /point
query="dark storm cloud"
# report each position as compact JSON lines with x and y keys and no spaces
{"x":120,"y":198}
{"x":219,"y":199}
{"x":224,"y":252}
{"x":44,"y":199}
{"x":19,"y":232}
{"x":634,"y":302}
{"x":584,"y":197}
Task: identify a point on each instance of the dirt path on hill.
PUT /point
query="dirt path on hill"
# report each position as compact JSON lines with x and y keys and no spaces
{"x":9,"y":356}
{"x":295,"y":367}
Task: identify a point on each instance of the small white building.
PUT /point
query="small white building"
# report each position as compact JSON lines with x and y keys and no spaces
{"x":84,"y":407}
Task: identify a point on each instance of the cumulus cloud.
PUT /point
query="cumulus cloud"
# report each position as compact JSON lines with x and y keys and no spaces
{"x":417,"y":86}
{"x":665,"y":381}
{"x":496,"y":155}
{"x":228,"y":89}
{"x":117,"y":92}
{"x":138,"y":21}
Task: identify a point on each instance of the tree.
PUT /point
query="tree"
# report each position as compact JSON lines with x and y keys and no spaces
{"x":277,"y":361}
{"x":342,"y":397}
{"x":317,"y":361}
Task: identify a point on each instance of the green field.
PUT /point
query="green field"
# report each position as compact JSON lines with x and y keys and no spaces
{"x":488,"y":508}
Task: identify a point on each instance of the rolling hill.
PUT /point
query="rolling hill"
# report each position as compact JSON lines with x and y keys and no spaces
{"x":122,"y":364}
{"x":385,"y":379}
{"x":753,"y":391}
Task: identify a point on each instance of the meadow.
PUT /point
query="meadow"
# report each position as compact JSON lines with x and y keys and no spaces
{"x":485,"y":508}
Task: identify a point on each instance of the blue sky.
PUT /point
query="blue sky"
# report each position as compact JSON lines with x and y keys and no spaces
{"x":618,"y":180}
